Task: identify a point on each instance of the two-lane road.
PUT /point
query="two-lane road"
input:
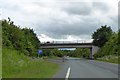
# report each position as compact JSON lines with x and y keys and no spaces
{"x":82,"y":68}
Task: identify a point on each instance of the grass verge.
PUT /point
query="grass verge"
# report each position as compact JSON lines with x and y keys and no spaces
{"x":17,"y":65}
{"x":110,"y":59}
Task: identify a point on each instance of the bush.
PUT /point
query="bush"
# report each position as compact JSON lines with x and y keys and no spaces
{"x":23,"y":40}
{"x":110,"y":48}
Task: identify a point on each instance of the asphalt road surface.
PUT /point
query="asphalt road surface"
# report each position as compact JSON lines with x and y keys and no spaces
{"x":82,"y":68}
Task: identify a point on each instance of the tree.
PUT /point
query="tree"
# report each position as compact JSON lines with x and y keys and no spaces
{"x":57,"y":52}
{"x":111,"y":47}
{"x":23,"y":40}
{"x":119,"y":42}
{"x":101,"y":36}
{"x":119,"y":36}
{"x":46,"y":52}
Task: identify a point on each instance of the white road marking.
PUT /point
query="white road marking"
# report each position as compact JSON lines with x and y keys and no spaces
{"x":67,"y":74}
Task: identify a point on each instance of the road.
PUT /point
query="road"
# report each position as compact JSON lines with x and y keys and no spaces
{"x":82,"y":68}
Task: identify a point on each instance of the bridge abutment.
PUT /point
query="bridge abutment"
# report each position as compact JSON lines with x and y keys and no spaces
{"x":90,"y":56}
{"x":94,"y":50}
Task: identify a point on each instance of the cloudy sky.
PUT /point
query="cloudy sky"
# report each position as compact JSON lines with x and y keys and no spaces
{"x":62,"y":20}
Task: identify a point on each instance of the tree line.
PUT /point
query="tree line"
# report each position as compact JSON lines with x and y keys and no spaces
{"x":107,"y":40}
{"x":22,"y":39}
{"x":78,"y":52}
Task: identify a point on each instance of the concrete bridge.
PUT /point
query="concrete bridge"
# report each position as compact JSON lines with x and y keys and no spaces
{"x":93,"y":49}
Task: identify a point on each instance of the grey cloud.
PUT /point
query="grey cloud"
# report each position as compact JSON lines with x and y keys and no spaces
{"x":100,"y":6}
{"x":57,"y":27}
{"x":84,"y":8}
{"x":57,"y":30}
{"x":114,"y":19}
{"x":87,"y":27}
{"x":9,"y":5}
{"x":79,"y":8}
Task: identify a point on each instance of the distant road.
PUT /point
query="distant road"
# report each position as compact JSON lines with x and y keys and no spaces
{"x":82,"y":68}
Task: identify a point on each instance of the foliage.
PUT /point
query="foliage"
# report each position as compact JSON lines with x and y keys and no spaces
{"x":23,"y":40}
{"x":17,"y":43}
{"x":56,"y":52}
{"x":119,"y":36}
{"x":52,"y":52}
{"x":78,"y":52}
{"x":17,"y":65}
{"x":101,"y":36}
{"x":46,"y":52}
{"x":119,"y":44}
{"x":109,"y":58}
{"x":81,"y":52}
{"x":110,"y":47}
{"x":0,"y":49}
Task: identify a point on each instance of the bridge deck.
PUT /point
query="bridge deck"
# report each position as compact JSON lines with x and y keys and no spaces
{"x":66,"y":45}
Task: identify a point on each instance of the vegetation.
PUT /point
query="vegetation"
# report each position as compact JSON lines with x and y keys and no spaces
{"x":18,"y":47}
{"x":109,"y":58}
{"x":101,"y":36}
{"x":18,"y":65}
{"x":78,"y":52}
{"x":52,"y":52}
{"x":23,"y":40}
{"x":119,"y":37}
{"x":110,"y":50}
{"x":0,"y":49}
{"x":119,"y":46}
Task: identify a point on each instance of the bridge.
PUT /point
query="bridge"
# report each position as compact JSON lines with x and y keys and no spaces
{"x":48,"y":45}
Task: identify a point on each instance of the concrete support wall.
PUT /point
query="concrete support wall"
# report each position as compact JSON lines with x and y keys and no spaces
{"x":91,"y":56}
{"x":94,"y":50}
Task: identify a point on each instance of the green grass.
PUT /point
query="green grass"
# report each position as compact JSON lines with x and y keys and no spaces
{"x":110,"y":59}
{"x":0,"y":62}
{"x":17,"y":65}
{"x":0,"y":49}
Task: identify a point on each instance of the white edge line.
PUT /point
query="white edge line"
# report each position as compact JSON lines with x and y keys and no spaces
{"x":68,"y":73}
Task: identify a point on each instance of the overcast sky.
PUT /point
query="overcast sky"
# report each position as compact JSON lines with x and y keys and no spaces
{"x":67,"y":20}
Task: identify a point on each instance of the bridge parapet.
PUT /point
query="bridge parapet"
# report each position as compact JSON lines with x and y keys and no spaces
{"x":66,"y":45}
{"x":60,"y":42}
